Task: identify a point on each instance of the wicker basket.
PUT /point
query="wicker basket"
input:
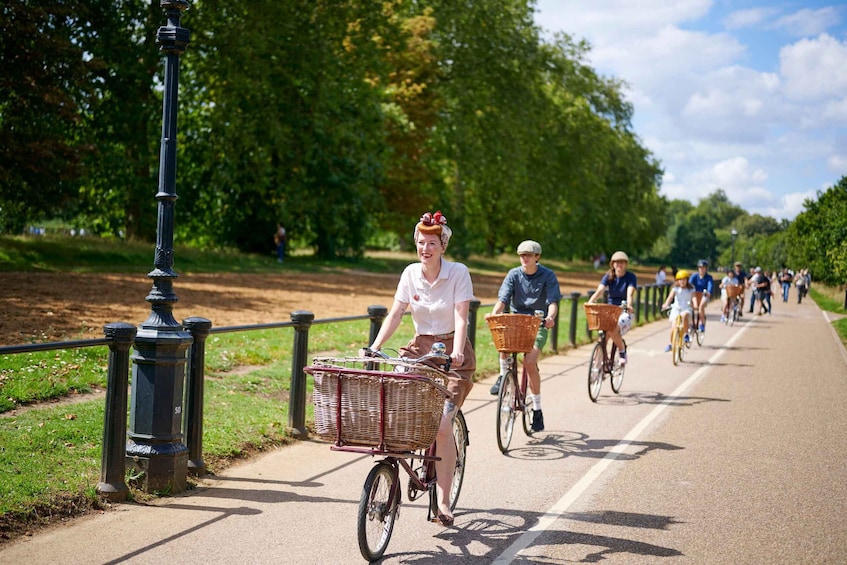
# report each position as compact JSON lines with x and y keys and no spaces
{"x":513,"y":333}
{"x":602,"y":316}
{"x":391,"y":406}
{"x":734,"y":290}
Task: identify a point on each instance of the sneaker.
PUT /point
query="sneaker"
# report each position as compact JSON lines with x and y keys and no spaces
{"x":623,"y":357}
{"x":668,"y":348}
{"x":723,"y":319}
{"x":687,"y":338}
{"x":702,"y":328}
{"x":537,"y":421}
{"x":495,"y":388}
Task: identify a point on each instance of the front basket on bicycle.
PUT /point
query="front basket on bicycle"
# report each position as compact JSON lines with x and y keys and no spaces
{"x":734,"y":290}
{"x":387,"y":404}
{"x":513,"y":333}
{"x":602,"y":316}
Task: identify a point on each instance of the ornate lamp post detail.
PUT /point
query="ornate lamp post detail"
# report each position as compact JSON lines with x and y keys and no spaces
{"x":155,"y":447}
{"x":734,"y":234}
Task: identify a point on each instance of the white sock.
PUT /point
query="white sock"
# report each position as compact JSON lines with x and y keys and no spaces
{"x":504,"y":366}
{"x":536,"y":402}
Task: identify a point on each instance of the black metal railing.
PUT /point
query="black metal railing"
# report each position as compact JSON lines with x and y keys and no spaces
{"x":120,"y":337}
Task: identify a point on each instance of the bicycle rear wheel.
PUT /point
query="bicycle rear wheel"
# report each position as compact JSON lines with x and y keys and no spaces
{"x":617,"y":369}
{"x":460,"y":439}
{"x":595,"y":372}
{"x":506,"y":409}
{"x":700,"y":335}
{"x":378,"y":507}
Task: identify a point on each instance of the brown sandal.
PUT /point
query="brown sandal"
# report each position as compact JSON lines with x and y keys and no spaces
{"x":443,"y":520}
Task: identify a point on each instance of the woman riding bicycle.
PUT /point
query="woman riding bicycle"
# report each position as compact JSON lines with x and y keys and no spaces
{"x":621,"y":285}
{"x":703,"y":284}
{"x":681,"y":295}
{"x":439,"y":294}
{"x":729,"y":280}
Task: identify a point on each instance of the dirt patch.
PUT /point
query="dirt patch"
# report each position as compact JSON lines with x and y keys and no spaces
{"x":63,"y":306}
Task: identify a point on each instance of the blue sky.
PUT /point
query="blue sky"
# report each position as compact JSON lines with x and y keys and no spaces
{"x":749,"y":97}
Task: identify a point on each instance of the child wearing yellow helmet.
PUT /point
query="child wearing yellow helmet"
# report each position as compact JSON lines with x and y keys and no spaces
{"x":681,"y":294}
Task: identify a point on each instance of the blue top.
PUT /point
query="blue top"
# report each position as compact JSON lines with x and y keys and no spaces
{"x":527,"y":293}
{"x":702,"y":284}
{"x":617,"y":288}
{"x":742,"y":276}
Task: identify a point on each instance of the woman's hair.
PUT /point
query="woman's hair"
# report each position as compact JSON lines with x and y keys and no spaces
{"x":434,"y":224}
{"x":612,"y":276}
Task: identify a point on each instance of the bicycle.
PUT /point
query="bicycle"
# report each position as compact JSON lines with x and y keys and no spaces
{"x":392,"y":384}
{"x":695,"y":321}
{"x":513,"y":334}
{"x":604,"y":317}
{"x":735,"y":293}
{"x":678,"y":343}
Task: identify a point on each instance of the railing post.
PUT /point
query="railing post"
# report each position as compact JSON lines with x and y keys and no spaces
{"x":637,"y":303}
{"x":199,"y":329}
{"x":473,"y":314}
{"x":297,"y":403}
{"x":113,"y":458}
{"x":646,"y":303}
{"x":377,"y":315}
{"x":574,"y":313}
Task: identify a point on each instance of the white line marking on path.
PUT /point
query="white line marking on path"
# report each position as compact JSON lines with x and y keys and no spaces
{"x":557,"y":510}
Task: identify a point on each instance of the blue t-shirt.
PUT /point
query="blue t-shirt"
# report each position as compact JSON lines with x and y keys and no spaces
{"x":617,"y":288}
{"x":702,"y":284}
{"x":527,"y":293}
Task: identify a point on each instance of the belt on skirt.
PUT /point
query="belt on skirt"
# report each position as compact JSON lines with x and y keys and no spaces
{"x":441,"y":336}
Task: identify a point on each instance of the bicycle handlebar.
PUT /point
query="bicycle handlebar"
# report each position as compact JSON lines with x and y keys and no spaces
{"x":438,"y":352}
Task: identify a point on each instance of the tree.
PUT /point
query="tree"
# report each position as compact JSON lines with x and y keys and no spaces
{"x":817,"y":238}
{"x":42,"y":90}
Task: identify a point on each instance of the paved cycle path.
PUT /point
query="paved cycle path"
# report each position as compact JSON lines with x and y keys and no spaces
{"x":736,"y":456}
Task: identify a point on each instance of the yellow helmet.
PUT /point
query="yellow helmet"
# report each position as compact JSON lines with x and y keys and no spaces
{"x":682,"y":274}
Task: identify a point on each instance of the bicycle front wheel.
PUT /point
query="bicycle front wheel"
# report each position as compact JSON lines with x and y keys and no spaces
{"x":595,"y":372}
{"x":617,"y":370}
{"x":524,"y":406}
{"x":676,"y":346}
{"x":700,"y":336}
{"x":506,"y":410}
{"x":377,"y":510}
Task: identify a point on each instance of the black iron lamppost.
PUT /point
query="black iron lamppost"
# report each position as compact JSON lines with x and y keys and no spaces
{"x":155,"y":449}
{"x":734,"y":234}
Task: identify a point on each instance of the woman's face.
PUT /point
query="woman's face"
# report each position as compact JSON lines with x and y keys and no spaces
{"x":619,"y":267}
{"x":429,"y":248}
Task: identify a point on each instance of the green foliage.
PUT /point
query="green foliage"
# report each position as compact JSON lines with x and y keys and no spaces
{"x":818,"y":236}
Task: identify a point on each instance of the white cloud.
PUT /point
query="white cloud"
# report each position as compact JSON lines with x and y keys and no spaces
{"x":808,"y":22}
{"x":814,"y":68}
{"x":749,"y":18}
{"x":838,"y":164}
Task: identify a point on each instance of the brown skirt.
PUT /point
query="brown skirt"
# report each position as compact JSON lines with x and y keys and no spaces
{"x":460,"y":381}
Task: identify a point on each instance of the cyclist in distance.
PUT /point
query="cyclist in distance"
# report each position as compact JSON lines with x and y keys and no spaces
{"x":742,"y":280}
{"x":702,"y":282}
{"x":728,"y":280}
{"x":526,"y":289}
{"x":439,"y":294}
{"x":681,"y":295}
{"x":621,"y":285}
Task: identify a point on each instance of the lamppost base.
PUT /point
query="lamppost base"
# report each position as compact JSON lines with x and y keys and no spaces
{"x":161,"y":469}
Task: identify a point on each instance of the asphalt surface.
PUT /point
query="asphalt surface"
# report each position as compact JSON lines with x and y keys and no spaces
{"x":736,"y":456}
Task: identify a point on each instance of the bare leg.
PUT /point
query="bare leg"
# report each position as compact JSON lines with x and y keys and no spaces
{"x":446,"y":450}
{"x":531,"y":363}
